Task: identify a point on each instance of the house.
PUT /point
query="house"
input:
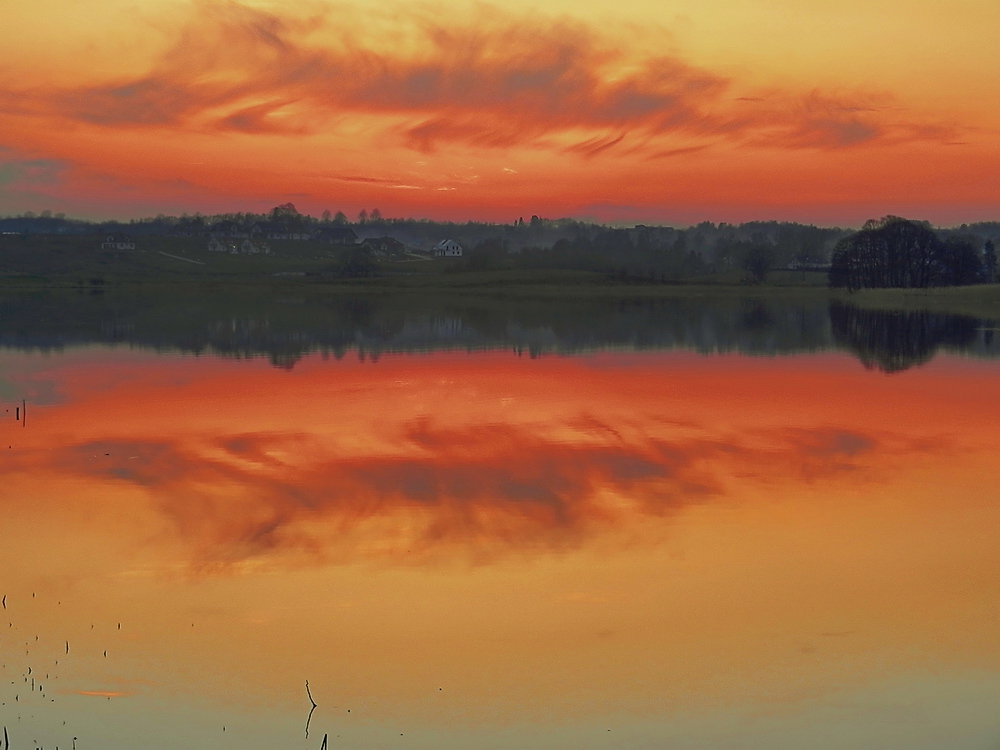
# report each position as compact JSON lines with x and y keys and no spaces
{"x":335,"y":235}
{"x":228,"y":229}
{"x":276,"y":230}
{"x":448,"y":249}
{"x":118,"y":242}
{"x":384,"y":245}
{"x":255,"y":248}
{"x":232,"y":247}
{"x":216,"y":245}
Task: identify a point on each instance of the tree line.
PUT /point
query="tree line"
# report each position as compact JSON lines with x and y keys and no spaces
{"x":886,"y":252}
{"x":898,"y":253}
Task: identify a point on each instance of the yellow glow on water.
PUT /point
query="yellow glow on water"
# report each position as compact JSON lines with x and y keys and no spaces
{"x":450,"y":543}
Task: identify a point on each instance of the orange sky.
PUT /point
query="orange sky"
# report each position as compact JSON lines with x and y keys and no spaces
{"x":787,"y":533}
{"x":619,"y":110}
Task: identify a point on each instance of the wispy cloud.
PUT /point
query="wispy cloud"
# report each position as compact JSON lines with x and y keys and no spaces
{"x":494,"y":80}
{"x":482,"y":493}
{"x":19,"y":173}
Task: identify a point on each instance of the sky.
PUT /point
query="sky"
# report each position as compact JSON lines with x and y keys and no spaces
{"x":623,"y":111}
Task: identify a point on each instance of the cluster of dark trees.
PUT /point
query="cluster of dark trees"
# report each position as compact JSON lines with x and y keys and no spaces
{"x":662,"y":253}
{"x":897,"y":253}
{"x":612,"y":251}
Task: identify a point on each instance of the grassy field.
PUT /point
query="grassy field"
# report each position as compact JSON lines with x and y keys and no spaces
{"x":79,"y":261}
{"x":980,"y":301}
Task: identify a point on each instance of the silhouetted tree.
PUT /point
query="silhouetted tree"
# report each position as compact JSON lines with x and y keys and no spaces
{"x":487,"y":254}
{"x":284,"y":211}
{"x":989,"y":262}
{"x":959,"y":263}
{"x":757,"y":261}
{"x":359,"y":263}
{"x":895,"y":252}
{"x":288,"y":216}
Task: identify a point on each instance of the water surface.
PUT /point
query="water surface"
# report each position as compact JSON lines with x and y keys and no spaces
{"x":621,"y":536}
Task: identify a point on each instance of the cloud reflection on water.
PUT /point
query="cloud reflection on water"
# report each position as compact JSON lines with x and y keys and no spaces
{"x":611,"y":539}
{"x":480,"y":492}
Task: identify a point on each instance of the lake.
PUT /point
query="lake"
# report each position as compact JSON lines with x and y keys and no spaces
{"x":487,"y":524}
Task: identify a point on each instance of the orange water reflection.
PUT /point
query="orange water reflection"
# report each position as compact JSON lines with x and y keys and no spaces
{"x":446,"y":542}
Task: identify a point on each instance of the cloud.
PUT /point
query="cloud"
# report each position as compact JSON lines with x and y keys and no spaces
{"x":362,"y":179}
{"x":478,"y":493}
{"x":828,"y":120}
{"x":596,"y":145}
{"x":27,"y":183}
{"x":492,"y":80}
{"x":31,"y":183}
{"x":19,"y":173}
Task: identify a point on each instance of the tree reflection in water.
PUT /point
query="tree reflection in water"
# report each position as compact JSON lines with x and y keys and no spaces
{"x":895,"y":340}
{"x":286,"y":326}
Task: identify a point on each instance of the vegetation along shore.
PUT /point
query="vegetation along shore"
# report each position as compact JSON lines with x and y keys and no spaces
{"x":890,"y":263}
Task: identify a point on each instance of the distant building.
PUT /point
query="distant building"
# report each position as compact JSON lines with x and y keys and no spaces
{"x":228,"y":229}
{"x":233,"y":247}
{"x":335,"y":235}
{"x":448,"y":249}
{"x":808,"y":265}
{"x":276,"y":230}
{"x":188,"y":228}
{"x":384,"y":245}
{"x":118,"y":242}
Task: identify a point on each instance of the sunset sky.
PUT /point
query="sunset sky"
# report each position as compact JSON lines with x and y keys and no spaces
{"x":613,"y":110}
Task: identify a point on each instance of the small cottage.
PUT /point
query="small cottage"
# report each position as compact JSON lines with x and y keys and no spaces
{"x":118,"y":242}
{"x":448,"y":249}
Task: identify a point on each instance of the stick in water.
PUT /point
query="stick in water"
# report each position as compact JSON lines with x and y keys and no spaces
{"x":310,"y":695}
{"x":311,"y":710}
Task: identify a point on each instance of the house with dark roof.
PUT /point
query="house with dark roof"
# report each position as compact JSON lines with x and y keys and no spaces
{"x":335,"y":236}
{"x":384,"y":245}
{"x":277,"y":230}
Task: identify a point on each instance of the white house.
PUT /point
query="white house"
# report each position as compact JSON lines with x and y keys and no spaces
{"x":118,"y":242}
{"x":448,"y":249}
{"x":233,"y":248}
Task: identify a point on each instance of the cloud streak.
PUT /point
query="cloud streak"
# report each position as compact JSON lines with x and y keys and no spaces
{"x":488,"y":82}
{"x":480,"y":493}
{"x":20,"y":175}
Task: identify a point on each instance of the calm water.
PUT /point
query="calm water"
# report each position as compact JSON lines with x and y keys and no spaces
{"x":470,"y":526}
